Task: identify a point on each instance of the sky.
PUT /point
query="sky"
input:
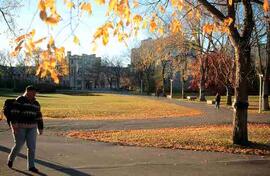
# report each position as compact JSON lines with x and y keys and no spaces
{"x":28,"y":19}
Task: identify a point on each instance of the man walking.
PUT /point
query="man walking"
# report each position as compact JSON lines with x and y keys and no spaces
{"x":217,"y":100}
{"x":27,"y":121}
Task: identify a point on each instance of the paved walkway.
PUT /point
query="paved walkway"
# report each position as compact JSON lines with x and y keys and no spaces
{"x":57,"y":155}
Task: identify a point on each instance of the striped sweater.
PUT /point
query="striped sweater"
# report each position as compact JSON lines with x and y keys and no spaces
{"x":27,"y":113}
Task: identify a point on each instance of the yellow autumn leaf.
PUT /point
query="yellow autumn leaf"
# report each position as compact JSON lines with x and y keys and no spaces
{"x":51,"y":41}
{"x":135,"y":4}
{"x":161,"y":9}
{"x":175,"y":26}
{"x":54,"y":76}
{"x":198,"y":14}
{"x":161,"y":30}
{"x":266,"y":5}
{"x":18,"y":39}
{"x":109,"y":25}
{"x":120,"y":24}
{"x":43,"y":15}
{"x":17,"y":49}
{"x":208,"y":28}
{"x":112,"y":4}
{"x":86,"y":7}
{"x":227,"y":22}
{"x":49,"y":3}
{"x":70,"y":4}
{"x":33,"y":32}
{"x":144,"y":24}
{"x":100,"y":2}
{"x":122,"y":37}
{"x":31,"y":45}
{"x":60,"y":54}
{"x":180,"y":5}
{"x":41,"y":5}
{"x":137,"y":19}
{"x":174,"y":2}
{"x":53,"y":19}
{"x":105,"y":39}
{"x":153,"y":25}
{"x":38,"y":70}
{"x":43,"y":73}
{"x":128,"y":22}
{"x":98,"y":33}
{"x":76,"y":40}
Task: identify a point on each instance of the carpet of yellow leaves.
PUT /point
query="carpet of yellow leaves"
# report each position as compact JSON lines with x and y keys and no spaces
{"x":202,"y":138}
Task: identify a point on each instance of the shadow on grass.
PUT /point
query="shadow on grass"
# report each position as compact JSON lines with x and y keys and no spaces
{"x":255,"y":145}
{"x":63,"y":169}
{"x":81,"y":94}
{"x":9,"y":95}
{"x":46,"y":96}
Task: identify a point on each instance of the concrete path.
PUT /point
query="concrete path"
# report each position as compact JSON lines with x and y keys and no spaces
{"x":57,"y":155}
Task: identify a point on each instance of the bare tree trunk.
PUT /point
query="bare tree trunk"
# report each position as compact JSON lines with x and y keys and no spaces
{"x":183,"y":84}
{"x":148,"y":83}
{"x":265,"y":91}
{"x":163,"y":79}
{"x":163,"y":64}
{"x":265,"y":102}
{"x":240,"y":114}
{"x":202,"y":80}
{"x":229,"y":95}
{"x":202,"y":91}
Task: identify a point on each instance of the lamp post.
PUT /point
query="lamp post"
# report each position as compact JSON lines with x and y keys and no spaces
{"x":171,"y":88}
{"x":260,"y":93}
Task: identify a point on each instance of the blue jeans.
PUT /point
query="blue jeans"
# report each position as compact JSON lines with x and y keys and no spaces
{"x":217,"y":104}
{"x":24,"y":134}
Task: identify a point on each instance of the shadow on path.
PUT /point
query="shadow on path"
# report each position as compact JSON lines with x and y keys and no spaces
{"x":63,"y":169}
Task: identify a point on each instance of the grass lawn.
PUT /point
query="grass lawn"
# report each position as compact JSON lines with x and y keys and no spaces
{"x":203,"y":138}
{"x":105,"y":107}
{"x":253,"y":102}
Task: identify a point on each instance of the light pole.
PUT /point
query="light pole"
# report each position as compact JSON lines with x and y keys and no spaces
{"x":171,"y":88}
{"x":260,"y":93}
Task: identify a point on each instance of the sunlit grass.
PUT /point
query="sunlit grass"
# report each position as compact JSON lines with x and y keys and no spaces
{"x":253,"y":103}
{"x":107,"y":106}
{"x":205,"y":138}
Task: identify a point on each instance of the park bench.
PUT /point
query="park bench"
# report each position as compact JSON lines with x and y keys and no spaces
{"x":191,"y":97}
{"x":168,"y":96}
{"x":210,"y":102}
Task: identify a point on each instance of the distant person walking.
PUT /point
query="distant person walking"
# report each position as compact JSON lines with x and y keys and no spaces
{"x":26,"y":122}
{"x":217,"y":100}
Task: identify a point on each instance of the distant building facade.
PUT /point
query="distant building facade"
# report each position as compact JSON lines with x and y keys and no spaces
{"x":83,"y":71}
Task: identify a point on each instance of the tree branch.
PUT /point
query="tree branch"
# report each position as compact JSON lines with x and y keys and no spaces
{"x":6,"y":21}
{"x":211,"y":8}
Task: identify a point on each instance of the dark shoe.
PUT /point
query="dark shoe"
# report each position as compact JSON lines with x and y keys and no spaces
{"x":33,"y":169}
{"x":10,"y":164}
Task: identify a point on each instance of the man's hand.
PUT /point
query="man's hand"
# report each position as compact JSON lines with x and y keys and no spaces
{"x":14,"y":129}
{"x":40,"y":132}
